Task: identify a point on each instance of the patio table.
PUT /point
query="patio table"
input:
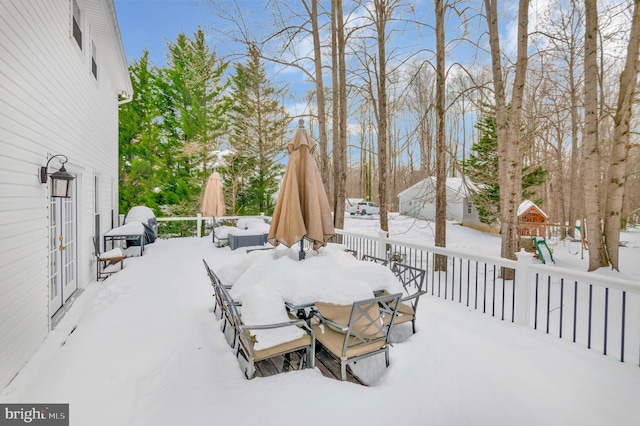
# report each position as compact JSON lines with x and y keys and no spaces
{"x":331,"y":276}
{"x":132,"y":231}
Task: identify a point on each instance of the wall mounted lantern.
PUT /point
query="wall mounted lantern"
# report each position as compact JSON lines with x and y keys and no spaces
{"x":60,"y":180}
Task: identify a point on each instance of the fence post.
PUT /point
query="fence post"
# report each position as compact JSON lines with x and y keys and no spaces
{"x":382,"y":244}
{"x":199,"y":225}
{"x":522,"y":288}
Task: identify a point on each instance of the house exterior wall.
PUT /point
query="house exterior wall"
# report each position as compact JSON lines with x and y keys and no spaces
{"x":471,"y":218}
{"x":51,"y":103}
{"x":420,"y":201}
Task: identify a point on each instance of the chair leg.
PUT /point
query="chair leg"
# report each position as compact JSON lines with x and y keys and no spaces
{"x":386,"y":356}
{"x":413,"y":324}
{"x":311,"y":357}
{"x":343,"y":370}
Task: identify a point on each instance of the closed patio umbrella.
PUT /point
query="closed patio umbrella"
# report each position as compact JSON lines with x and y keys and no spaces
{"x":213,"y":201}
{"x":302,"y":209}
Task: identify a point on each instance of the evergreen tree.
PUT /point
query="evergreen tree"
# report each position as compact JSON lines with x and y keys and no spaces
{"x":259,"y":122}
{"x":140,"y":154}
{"x":481,"y":168}
{"x":194,"y":105}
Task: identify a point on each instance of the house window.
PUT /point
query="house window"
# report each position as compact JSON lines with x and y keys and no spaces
{"x":94,"y":64}
{"x":469,"y":207}
{"x":76,"y":23}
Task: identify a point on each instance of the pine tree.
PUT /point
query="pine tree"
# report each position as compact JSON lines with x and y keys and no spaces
{"x":140,"y":155}
{"x":195,"y":102}
{"x":481,"y":168}
{"x":259,"y":123}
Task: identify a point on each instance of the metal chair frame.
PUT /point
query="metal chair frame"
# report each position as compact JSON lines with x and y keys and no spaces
{"x":374,"y":259}
{"x":102,"y":262}
{"x":360,"y":318}
{"x":412,"y":280}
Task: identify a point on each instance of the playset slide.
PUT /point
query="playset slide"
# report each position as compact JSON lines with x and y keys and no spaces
{"x":543,"y":250}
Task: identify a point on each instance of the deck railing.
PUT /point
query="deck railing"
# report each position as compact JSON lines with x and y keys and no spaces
{"x":177,"y":227}
{"x":597,"y":311}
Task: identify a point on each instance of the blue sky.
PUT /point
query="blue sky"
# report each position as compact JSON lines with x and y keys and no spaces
{"x":149,"y":23}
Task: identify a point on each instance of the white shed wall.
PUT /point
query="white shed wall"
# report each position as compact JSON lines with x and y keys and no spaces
{"x":420,"y":201}
{"x":50,"y":103}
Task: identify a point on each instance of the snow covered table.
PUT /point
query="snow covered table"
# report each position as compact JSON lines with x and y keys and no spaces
{"x":132,"y":231}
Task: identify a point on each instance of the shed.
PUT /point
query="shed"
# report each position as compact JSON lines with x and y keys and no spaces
{"x":532,"y":221}
{"x":64,"y":74}
{"x":419,"y":201}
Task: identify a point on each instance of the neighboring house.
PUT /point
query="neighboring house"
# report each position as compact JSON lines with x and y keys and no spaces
{"x":63,"y":74}
{"x":419,"y":201}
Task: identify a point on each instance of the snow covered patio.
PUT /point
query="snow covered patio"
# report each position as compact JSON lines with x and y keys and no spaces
{"x":144,"y":348}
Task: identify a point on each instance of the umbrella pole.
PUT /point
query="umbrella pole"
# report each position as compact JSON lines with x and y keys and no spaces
{"x":301,"y":254}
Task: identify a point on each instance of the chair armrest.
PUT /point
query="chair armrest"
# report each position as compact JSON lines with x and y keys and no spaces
{"x":300,"y":323}
{"x":329,"y":322}
{"x":291,"y":307}
{"x":415,"y":295}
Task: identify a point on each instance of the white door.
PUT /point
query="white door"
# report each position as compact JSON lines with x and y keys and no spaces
{"x":62,"y":251}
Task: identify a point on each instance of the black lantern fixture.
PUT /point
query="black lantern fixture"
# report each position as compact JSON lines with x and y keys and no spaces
{"x":60,"y":180}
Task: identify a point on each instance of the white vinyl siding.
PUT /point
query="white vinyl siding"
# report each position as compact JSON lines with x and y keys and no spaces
{"x":76,"y":23}
{"x":50,"y":104}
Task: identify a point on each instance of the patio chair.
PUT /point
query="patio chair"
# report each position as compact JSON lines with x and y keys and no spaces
{"x":105,"y":259}
{"x":353,"y":253}
{"x":412,"y":280}
{"x":354,"y":332}
{"x":230,"y":316}
{"x":383,"y":262}
{"x":216,"y":284}
{"x":222,"y":225}
{"x":246,"y":350}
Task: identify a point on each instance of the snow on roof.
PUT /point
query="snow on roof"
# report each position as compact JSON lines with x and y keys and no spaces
{"x":526,"y":205}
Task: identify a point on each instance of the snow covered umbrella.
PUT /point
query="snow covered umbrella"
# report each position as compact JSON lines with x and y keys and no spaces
{"x":302,"y":210}
{"x":213,"y":201}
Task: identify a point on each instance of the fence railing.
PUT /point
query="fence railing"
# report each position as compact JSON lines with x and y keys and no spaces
{"x":178,"y":227}
{"x":597,"y":311}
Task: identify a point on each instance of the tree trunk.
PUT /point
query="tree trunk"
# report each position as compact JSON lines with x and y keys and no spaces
{"x":508,"y":131}
{"x":574,"y":183}
{"x":339,"y":113}
{"x":441,"y":152}
{"x":335,"y":130}
{"x":322,"y":115}
{"x":620,"y":149}
{"x":381,"y":10}
{"x":591,"y":153}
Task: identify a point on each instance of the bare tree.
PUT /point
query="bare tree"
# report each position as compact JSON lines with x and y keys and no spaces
{"x":319,"y":85}
{"x":441,"y":153}
{"x":590,"y":149}
{"x":621,"y":142}
{"x":338,"y":75}
{"x":508,"y":128}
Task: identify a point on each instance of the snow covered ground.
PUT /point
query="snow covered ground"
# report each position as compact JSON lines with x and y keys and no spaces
{"x":144,"y":348}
